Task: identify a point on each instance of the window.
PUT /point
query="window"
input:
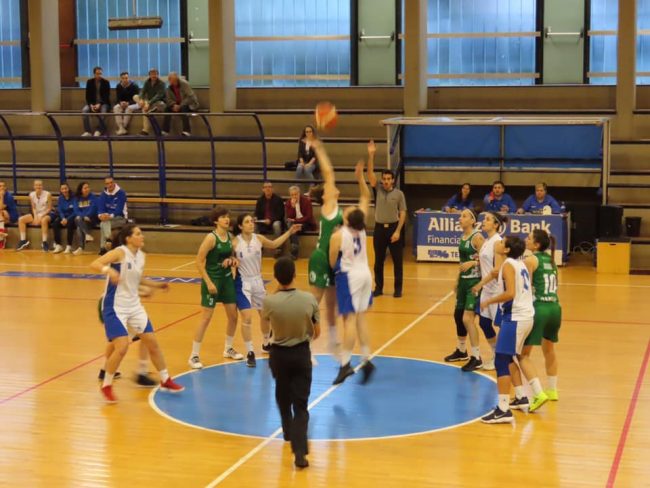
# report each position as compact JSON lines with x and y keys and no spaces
{"x":292,"y":42}
{"x":643,"y":42}
{"x":602,"y":42}
{"x":481,"y":42}
{"x":10,"y":49}
{"x":135,"y":51}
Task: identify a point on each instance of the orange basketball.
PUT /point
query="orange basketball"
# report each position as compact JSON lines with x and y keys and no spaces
{"x":326,"y":116}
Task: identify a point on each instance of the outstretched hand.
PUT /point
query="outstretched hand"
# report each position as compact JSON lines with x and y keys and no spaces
{"x":372,"y":149}
{"x":358,"y":169}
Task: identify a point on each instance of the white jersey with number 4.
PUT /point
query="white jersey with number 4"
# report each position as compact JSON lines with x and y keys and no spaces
{"x":486,"y":260}
{"x":520,"y":308}
{"x":249,"y":255}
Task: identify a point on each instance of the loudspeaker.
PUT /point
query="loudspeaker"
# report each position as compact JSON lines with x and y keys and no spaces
{"x":610,"y":220}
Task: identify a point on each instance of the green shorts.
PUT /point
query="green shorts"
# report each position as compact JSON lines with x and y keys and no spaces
{"x":548,"y":317}
{"x":225,"y":292}
{"x":465,"y":299}
{"x":320,"y":273}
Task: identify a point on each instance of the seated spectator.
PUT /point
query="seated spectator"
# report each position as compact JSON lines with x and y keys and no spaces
{"x":307,"y":163}
{"x":85,"y":215}
{"x":41,"y":206}
{"x":498,"y":200}
{"x":63,"y":216}
{"x":126,"y":92}
{"x":298,"y":210}
{"x":8,"y":211}
{"x":151,"y":99}
{"x":98,"y":99}
{"x":179,"y":98}
{"x":269,"y":212}
{"x":460,"y":201}
{"x":111,"y":212}
{"x":539,"y":200}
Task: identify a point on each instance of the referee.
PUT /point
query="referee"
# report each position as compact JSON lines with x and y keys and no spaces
{"x":390,"y":215}
{"x":294,"y":321}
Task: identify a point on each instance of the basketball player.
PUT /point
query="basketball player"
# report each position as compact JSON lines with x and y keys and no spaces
{"x":249,"y":285}
{"x":548,"y":317}
{"x":516,"y":322}
{"x":469,"y":275}
{"x":122,"y":310}
{"x":215,"y":261}
{"x":349,"y":259}
{"x":490,"y":263}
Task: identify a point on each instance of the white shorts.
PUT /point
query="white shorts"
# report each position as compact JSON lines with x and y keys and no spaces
{"x":512,"y":336}
{"x":250,"y":293}
{"x":122,"y":322}
{"x":489,"y":312}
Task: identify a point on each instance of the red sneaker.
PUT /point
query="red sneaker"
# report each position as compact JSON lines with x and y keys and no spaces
{"x":107,"y":391}
{"x":171,"y":386}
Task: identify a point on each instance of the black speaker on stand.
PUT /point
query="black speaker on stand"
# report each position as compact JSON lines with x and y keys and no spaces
{"x":610,"y":222}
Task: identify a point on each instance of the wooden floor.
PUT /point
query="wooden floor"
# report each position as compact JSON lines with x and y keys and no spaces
{"x":56,"y":431}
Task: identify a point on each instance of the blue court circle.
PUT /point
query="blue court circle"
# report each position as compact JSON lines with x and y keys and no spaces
{"x":404,"y":397}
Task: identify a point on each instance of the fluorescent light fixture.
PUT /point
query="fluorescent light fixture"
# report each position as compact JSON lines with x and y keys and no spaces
{"x":124,"y":23}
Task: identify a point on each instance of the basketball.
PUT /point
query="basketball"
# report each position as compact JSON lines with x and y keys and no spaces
{"x":326,"y":116}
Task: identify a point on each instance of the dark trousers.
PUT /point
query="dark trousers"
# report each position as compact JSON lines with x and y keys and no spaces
{"x":186,"y":120}
{"x":57,"y":226}
{"x":291,"y":368}
{"x":381,"y":241}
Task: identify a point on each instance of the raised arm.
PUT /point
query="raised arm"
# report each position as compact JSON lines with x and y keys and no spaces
{"x":330,"y":192}
{"x":372,"y":178}
{"x":364,"y":191}
{"x":278,"y":241}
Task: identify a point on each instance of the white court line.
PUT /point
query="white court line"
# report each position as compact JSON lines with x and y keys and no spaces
{"x":324,"y":395}
{"x":183,"y":265}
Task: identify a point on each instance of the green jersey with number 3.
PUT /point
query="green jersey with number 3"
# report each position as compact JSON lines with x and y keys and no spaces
{"x":327,"y":228}
{"x":466,"y":252}
{"x":545,"y":278}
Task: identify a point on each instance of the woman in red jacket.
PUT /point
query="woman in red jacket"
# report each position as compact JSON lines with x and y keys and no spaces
{"x":298,"y":210}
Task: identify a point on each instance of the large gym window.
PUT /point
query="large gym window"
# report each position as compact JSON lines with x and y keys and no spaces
{"x":643,"y":43}
{"x":602,"y":42}
{"x":292,"y":42}
{"x":479,"y":43}
{"x":135,"y":51}
{"x":10,"y":51}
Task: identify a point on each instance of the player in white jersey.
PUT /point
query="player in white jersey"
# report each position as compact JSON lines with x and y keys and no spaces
{"x":122,"y":310}
{"x":516,"y":299}
{"x":490,"y":263}
{"x":349,"y":259}
{"x":41,"y":206}
{"x":249,"y":285}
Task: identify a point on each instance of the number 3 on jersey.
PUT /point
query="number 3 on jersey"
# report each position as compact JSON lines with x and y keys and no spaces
{"x":525,"y":277}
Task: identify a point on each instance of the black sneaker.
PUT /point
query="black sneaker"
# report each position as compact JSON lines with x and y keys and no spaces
{"x":497,"y":416}
{"x":145,"y":381}
{"x":397,"y":294}
{"x":473,"y":364}
{"x":367,"y":369}
{"x":520,"y":404}
{"x":344,"y":372}
{"x":250,"y":359}
{"x":301,"y":461}
{"x":377,"y":293}
{"x":102,"y":374}
{"x":457,"y":355}
{"x":266,"y":348}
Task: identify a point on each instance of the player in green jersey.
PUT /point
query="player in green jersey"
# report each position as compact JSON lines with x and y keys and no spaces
{"x":214,"y":261}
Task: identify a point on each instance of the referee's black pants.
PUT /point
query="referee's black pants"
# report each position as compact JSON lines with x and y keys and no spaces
{"x":291,"y":368}
{"x":381,"y":241}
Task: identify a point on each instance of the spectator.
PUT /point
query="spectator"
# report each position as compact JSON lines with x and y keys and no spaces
{"x":307,"y":164}
{"x":8,"y":211}
{"x":98,"y":99}
{"x":41,"y":206}
{"x":460,"y":201}
{"x":111,"y":212}
{"x":269,"y":212}
{"x":179,"y":98}
{"x":151,"y":99}
{"x":298,"y":210}
{"x":539,"y":200}
{"x":63,"y":216}
{"x":126,"y":92}
{"x":499,"y":201}
{"x":85,"y":215}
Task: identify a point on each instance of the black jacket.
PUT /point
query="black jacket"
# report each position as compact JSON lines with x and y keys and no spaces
{"x":277,"y":208}
{"x":126,"y":94}
{"x":104,"y":91}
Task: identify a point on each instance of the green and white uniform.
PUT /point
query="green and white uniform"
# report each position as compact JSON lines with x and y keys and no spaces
{"x":548,"y":313}
{"x":220,"y":276}
{"x":320,"y":273}
{"x":465,"y":299}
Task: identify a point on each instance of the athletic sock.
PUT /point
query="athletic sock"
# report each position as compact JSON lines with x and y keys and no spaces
{"x":44,"y":238}
{"x":108,"y":379}
{"x":23,"y":236}
{"x":229,"y":341}
{"x":476,"y":352}
{"x":345,"y":357}
{"x":143,"y":366}
{"x":196,"y":348}
{"x":365,"y":352}
{"x":536,"y":386}
{"x":519,"y":392}
{"x":552,"y":382}
{"x":249,"y":346}
{"x":164,"y":375}
{"x":461,"y":344}
{"x":504,"y":402}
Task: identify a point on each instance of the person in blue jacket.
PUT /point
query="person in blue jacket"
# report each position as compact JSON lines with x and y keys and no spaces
{"x":460,"y":201}
{"x":539,"y":200}
{"x":111,"y":211}
{"x":8,"y":211}
{"x":498,"y":200}
{"x":63,"y":217}
{"x":85,"y":214}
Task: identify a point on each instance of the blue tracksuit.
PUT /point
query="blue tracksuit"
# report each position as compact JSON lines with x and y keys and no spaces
{"x":531,"y":205}
{"x":495,"y":204}
{"x":86,"y":207}
{"x":112,"y":204}
{"x":10,"y":205}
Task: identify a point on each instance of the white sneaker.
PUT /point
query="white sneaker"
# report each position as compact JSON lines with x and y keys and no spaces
{"x":97,"y":133}
{"x":78,"y":251}
{"x":164,"y":133}
{"x":89,"y":238}
{"x":68,"y":250}
{"x":121,"y":131}
{"x":86,"y":134}
{"x":232,"y":354}
{"x":57,"y":249}
{"x":488,"y":365}
{"x":186,"y":133}
{"x":195,"y":362}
